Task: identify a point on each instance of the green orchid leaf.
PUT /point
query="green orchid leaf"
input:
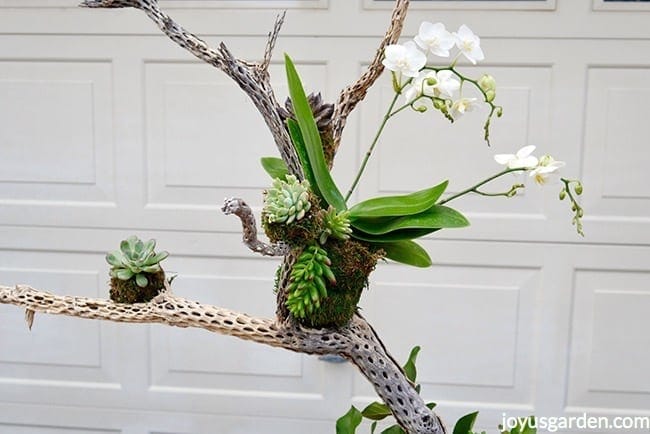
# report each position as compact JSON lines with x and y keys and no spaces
{"x":115,"y":258}
{"x":409,"y":367}
{"x":376,"y":411}
{"x":348,"y":423}
{"x":399,"y":235}
{"x":141,"y":280}
{"x":407,"y":252}
{"x":311,"y":138}
{"x":393,"y":429}
{"x":299,"y":145}
{"x":373,"y":427}
{"x":436,"y":217}
{"x":465,"y":424}
{"x":275,"y":167}
{"x":431,"y":405}
{"x":402,"y":205}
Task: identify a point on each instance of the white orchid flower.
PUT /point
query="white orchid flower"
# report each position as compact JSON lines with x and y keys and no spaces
{"x":546,"y":166}
{"x":404,"y":59}
{"x":435,"y":39}
{"x":431,"y":83}
{"x":447,"y":84}
{"x":461,"y":106}
{"x":521,"y":160}
{"x":469,"y":44}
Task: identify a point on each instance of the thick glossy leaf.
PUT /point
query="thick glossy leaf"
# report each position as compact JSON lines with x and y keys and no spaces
{"x":393,"y":429}
{"x":376,"y":411}
{"x":407,"y":252}
{"x":438,"y":216}
{"x":348,"y":423}
{"x":465,"y":424}
{"x":409,"y":367}
{"x":311,"y":138}
{"x":275,"y":167}
{"x":299,"y":145}
{"x":398,"y":205}
{"x":399,"y":235}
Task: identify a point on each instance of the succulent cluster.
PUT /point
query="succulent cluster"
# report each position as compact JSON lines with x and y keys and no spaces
{"x":307,"y":286}
{"x":337,"y":225}
{"x":135,"y":259}
{"x":286,"y":201}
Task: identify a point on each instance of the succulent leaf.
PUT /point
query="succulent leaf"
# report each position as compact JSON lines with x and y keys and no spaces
{"x":337,"y":225}
{"x":115,"y":258}
{"x":307,"y":287}
{"x":123,"y":273}
{"x":141,"y":280}
{"x":286,"y":201}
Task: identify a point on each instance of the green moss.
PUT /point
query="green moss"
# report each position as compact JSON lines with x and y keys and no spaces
{"x":352,"y":263}
{"x":297,"y":233}
{"x":128,"y":291}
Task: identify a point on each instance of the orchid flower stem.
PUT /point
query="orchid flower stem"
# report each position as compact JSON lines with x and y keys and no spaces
{"x":387,"y":116}
{"x":475,"y":187}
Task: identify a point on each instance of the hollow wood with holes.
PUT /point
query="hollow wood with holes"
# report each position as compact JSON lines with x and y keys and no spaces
{"x":356,"y":341}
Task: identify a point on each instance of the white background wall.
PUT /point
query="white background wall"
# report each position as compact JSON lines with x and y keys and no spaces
{"x":108,"y":129}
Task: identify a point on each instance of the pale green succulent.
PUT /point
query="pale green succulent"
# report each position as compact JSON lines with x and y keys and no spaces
{"x":337,"y":225}
{"x":287,"y":200}
{"x":135,"y":258}
{"x":307,"y":285}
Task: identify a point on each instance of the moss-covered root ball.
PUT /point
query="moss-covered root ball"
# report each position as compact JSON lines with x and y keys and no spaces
{"x":128,"y":291}
{"x":352,"y":263}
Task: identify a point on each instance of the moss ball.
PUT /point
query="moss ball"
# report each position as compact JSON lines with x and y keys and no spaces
{"x":352,"y":263}
{"x":128,"y":291}
{"x":298,"y":233}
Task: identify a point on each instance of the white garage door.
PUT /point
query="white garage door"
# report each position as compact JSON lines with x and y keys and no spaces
{"x":108,"y":129}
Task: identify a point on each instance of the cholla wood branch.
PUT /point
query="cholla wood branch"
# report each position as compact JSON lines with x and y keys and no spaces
{"x":356,"y":92}
{"x":356,"y":341}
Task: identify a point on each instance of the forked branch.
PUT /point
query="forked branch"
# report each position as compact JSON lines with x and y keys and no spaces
{"x":356,"y":92}
{"x":252,"y":78}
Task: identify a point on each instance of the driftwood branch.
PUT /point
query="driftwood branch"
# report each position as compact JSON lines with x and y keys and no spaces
{"x":249,"y":229}
{"x":252,"y":78}
{"x":356,"y":92}
{"x":356,"y":342}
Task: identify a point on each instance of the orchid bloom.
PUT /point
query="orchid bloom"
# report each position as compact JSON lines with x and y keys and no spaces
{"x":435,"y":39}
{"x":404,"y":59}
{"x":521,"y":160}
{"x":431,"y":83}
{"x":546,"y":166}
{"x":462,"y":105}
{"x":469,"y":44}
